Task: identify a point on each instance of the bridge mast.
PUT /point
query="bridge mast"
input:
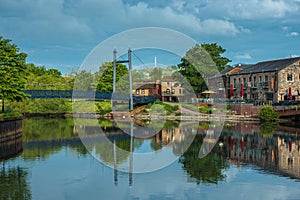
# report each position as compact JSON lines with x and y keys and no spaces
{"x":130,"y":79}
{"x":115,"y":69}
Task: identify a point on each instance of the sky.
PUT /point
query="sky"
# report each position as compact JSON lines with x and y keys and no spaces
{"x":61,"y":33}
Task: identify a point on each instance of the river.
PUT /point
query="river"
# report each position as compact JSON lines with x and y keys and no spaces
{"x":247,"y":161}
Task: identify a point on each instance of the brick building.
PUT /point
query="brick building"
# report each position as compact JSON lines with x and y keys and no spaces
{"x":269,"y":81}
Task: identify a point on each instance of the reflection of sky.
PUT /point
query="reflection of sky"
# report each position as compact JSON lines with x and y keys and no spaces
{"x":66,"y":175}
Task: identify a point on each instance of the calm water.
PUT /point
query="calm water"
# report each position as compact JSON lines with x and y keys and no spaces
{"x":248,"y":162}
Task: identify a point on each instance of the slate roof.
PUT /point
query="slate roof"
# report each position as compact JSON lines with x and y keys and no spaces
{"x":268,"y":66}
{"x":147,"y":86}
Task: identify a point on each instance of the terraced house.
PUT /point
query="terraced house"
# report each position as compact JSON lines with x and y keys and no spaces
{"x":269,"y":81}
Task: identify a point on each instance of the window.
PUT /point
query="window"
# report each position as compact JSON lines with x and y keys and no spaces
{"x":168,"y":91}
{"x":173,"y":91}
{"x":289,"y":77}
{"x":234,"y":80}
{"x":239,"y":80}
{"x":245,"y":80}
{"x":260,"y":79}
{"x":143,"y":91}
{"x":266,"y":78}
{"x":179,"y":91}
{"x":137,"y":91}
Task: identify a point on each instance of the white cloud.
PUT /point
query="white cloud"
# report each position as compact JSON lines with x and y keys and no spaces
{"x":294,"y":34}
{"x":255,"y":9}
{"x":245,"y":56}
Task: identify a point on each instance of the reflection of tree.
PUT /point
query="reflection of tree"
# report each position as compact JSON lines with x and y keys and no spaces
{"x":42,"y":150}
{"x":106,"y":151}
{"x":268,"y":128}
{"x":206,"y":170}
{"x":47,"y":128}
{"x":156,"y":143}
{"x":46,"y":136}
{"x":13,"y":184}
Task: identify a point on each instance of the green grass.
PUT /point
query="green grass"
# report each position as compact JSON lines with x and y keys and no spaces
{"x":9,"y":114}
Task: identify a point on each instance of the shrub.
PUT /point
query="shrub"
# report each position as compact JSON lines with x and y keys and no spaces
{"x":267,"y":113}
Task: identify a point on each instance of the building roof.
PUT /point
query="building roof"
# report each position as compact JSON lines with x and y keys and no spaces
{"x":268,"y":66}
{"x":147,"y":86}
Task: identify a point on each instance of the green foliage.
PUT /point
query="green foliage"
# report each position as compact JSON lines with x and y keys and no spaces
{"x":228,"y":106}
{"x":267,"y":113}
{"x":156,"y":74}
{"x":9,"y":114}
{"x":268,"y":128}
{"x":215,"y":52}
{"x":40,"y":78}
{"x":12,"y":71}
{"x":205,"y":109}
{"x":105,"y":83}
{"x":167,"y":107}
{"x":43,"y":106}
{"x":84,"y":80}
{"x":103,"y":107}
{"x":205,"y":170}
{"x":14,"y":183}
{"x":201,"y":62}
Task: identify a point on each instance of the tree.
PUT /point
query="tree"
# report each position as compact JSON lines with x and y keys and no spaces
{"x":200,"y":63}
{"x":267,"y":113}
{"x":156,"y":74}
{"x":215,"y":52}
{"x":12,"y":71}
{"x":105,"y":83}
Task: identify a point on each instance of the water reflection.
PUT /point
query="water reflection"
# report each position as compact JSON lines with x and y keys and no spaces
{"x":272,"y":149}
{"x":10,"y":138}
{"x":269,"y":146}
{"x":277,"y":152}
{"x":14,"y":183}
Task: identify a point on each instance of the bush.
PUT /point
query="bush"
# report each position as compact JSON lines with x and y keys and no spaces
{"x":267,"y":113}
{"x":228,"y":107}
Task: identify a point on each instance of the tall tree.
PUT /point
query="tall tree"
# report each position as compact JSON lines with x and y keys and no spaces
{"x":200,"y":63}
{"x":12,"y":71}
{"x":105,"y":83}
{"x":156,"y":74}
{"x":215,"y":52}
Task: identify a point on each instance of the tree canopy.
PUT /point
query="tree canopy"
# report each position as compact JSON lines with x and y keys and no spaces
{"x":105,"y":83}
{"x":202,"y":62}
{"x":12,"y":71}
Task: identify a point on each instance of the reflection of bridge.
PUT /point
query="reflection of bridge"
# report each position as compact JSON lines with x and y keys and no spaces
{"x":91,"y":95}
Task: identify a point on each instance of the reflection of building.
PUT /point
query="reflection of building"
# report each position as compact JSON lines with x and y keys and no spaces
{"x":277,"y":154}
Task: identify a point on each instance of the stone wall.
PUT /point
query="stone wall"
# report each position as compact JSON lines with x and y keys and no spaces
{"x":284,"y":84}
{"x":245,"y":109}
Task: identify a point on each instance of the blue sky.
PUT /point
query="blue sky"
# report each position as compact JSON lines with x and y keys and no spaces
{"x":61,"y":33}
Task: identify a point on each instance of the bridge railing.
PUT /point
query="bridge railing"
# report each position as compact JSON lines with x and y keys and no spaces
{"x":77,"y":94}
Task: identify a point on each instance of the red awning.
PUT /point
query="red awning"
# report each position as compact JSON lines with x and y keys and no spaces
{"x":231,"y":90}
{"x":242,"y":90}
{"x":290,"y":96}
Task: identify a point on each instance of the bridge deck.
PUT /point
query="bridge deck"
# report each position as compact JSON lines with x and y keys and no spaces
{"x":54,"y":94}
